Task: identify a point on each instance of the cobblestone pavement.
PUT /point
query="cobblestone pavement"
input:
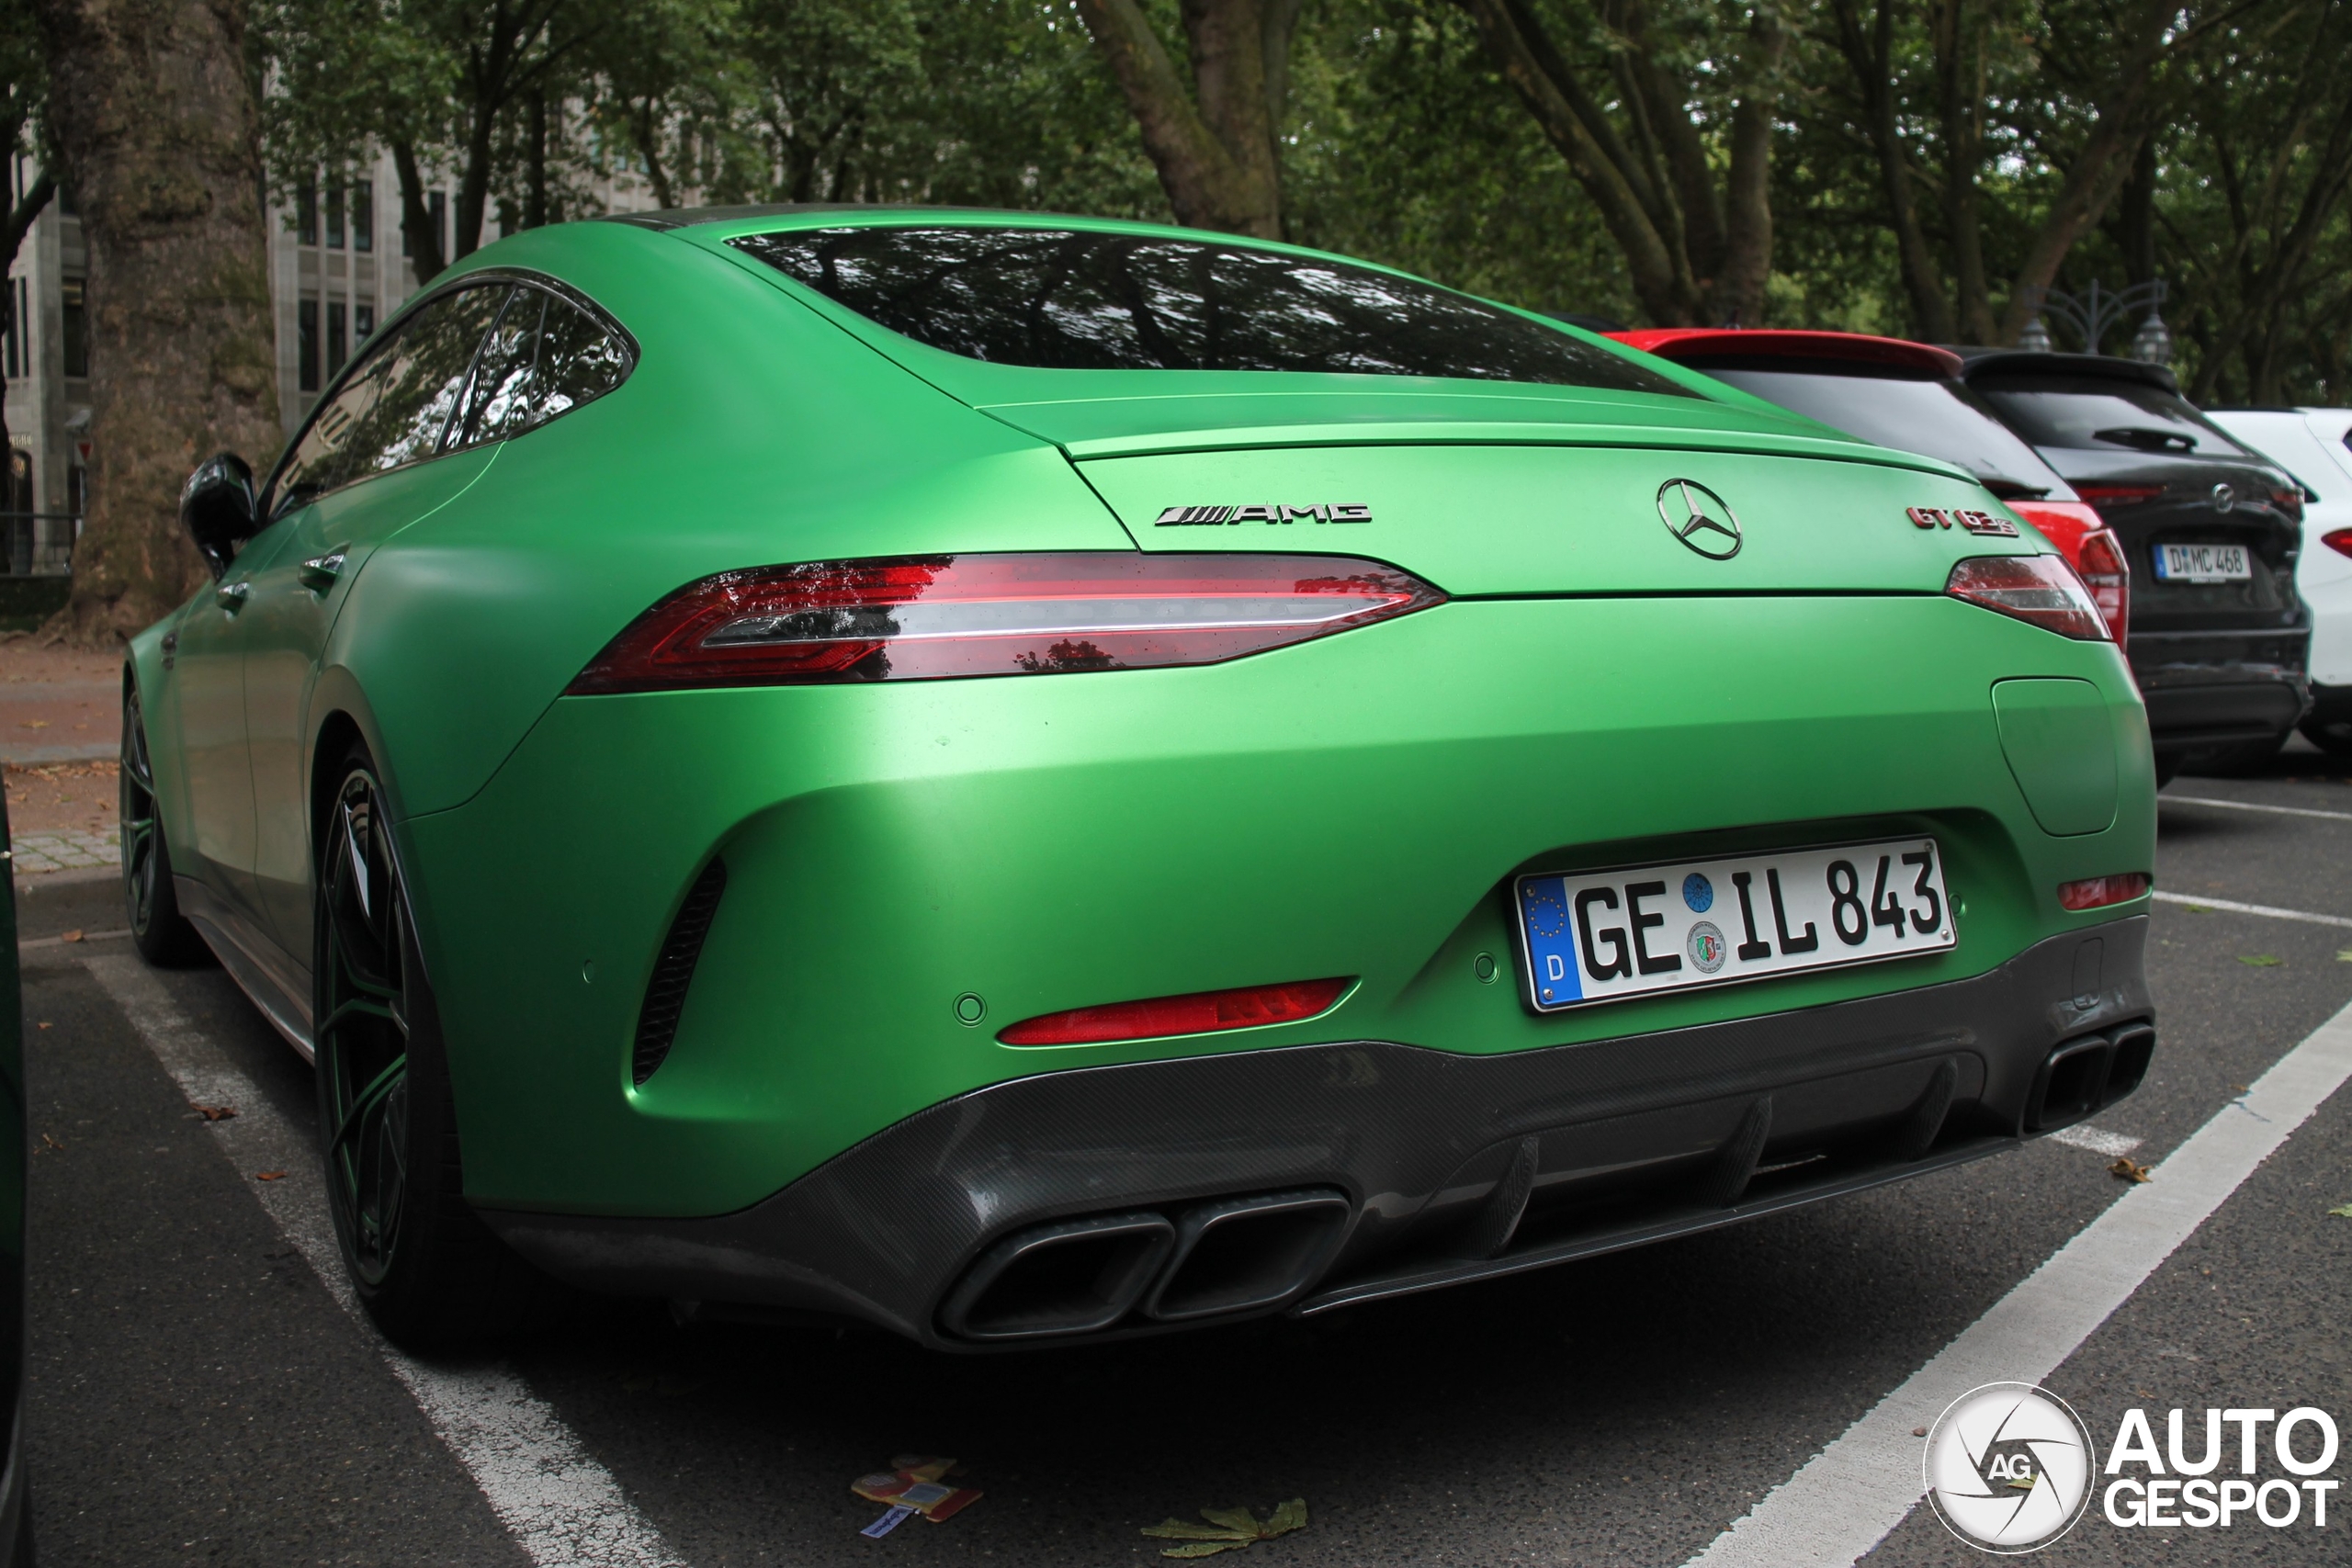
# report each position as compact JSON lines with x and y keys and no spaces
{"x":68,"y":851}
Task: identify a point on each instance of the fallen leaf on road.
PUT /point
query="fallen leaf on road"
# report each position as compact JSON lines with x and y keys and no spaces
{"x":40,"y":1026}
{"x":2344,"y":955}
{"x":32,"y":724}
{"x":1228,"y":1529}
{"x":214,"y":1113}
{"x":45,"y":1138}
{"x":2258,"y":960}
{"x":73,"y":935}
{"x":2344,"y":1213}
{"x":2129,"y":1171}
{"x":269,"y":1176}
{"x":2199,"y":908}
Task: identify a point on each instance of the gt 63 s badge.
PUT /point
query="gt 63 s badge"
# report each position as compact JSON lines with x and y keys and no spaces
{"x":1698,"y":518}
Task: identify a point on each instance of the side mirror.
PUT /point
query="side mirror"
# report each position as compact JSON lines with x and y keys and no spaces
{"x":217,"y":509}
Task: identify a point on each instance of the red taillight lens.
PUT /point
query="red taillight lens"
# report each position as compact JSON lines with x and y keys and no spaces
{"x":931,"y":617}
{"x":2290,"y":501}
{"x":2093,"y":549}
{"x":2040,"y":589}
{"x":2339,"y":539}
{"x":1202,"y":1012}
{"x":2098,"y":892}
{"x":2117,"y":495}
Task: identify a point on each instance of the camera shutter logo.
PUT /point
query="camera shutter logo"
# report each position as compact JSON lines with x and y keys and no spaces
{"x":1698,"y":518}
{"x":2008,"y":1468}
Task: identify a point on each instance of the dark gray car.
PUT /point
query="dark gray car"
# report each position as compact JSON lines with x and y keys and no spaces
{"x":2220,"y":640}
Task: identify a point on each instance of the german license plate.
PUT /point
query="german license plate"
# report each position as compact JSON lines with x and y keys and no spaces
{"x":2203,"y":563}
{"x":1602,"y":936}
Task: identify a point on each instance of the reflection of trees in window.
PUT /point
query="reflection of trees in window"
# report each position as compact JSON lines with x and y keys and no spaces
{"x":1078,"y":300}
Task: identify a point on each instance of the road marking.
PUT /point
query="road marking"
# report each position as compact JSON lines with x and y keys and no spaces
{"x":2098,"y":1140}
{"x":2236,"y":909}
{"x":1849,"y":1496}
{"x":2250,"y":806}
{"x":564,"y":1509}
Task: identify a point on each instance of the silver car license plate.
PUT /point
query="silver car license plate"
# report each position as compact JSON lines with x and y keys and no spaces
{"x":2203,"y":563}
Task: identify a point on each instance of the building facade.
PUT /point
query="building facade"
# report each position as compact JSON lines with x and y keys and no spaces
{"x":338,"y":267}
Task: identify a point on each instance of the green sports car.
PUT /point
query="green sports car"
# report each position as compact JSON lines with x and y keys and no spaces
{"x":1012,"y":778}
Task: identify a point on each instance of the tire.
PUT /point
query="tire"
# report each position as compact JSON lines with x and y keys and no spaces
{"x":422,"y":1262}
{"x":151,"y":902}
{"x":2335,"y":739}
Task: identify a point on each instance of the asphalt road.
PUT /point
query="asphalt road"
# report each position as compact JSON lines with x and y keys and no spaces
{"x":199,"y":1394}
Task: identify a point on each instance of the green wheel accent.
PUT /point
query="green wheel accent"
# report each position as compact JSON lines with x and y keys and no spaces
{"x":363,"y":1030}
{"x":150,"y":904}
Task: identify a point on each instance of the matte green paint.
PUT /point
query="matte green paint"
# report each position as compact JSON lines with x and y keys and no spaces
{"x":2049,"y":731}
{"x":1595,"y":694}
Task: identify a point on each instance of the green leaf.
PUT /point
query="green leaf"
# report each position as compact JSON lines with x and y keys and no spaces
{"x":1184,"y":1530}
{"x":2344,"y":955}
{"x":1204,"y":1548}
{"x":2344,"y":1213}
{"x":2258,"y":960}
{"x":1239,"y":1520}
{"x":1291,"y":1516}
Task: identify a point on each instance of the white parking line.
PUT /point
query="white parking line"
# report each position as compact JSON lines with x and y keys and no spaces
{"x":2251,"y":805}
{"x":2236,"y":909}
{"x":564,"y":1509}
{"x":1864,"y":1483}
{"x":2098,"y":1140}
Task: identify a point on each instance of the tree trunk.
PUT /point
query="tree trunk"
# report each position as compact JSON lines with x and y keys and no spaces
{"x":1959,"y":83}
{"x":156,"y":122}
{"x":423,"y":235}
{"x":1870,"y":57}
{"x":1214,"y":145}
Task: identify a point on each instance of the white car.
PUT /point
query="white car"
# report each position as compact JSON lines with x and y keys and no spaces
{"x":2315,"y":445}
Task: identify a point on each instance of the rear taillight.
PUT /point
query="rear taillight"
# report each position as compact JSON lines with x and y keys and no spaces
{"x":2117,"y":495}
{"x":2098,"y":892}
{"x":1202,"y":1012}
{"x":2040,"y":589}
{"x":931,"y":617}
{"x":2094,"y":551}
{"x":2339,"y":539}
{"x":2290,"y":501}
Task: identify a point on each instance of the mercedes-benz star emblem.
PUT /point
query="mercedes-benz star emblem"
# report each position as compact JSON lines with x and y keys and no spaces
{"x":1699,"y":518}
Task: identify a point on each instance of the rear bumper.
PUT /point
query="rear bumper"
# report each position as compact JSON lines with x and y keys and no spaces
{"x":1422,"y":1167}
{"x":2212,"y":690}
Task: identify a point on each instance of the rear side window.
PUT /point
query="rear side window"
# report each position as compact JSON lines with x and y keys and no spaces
{"x":545,"y":357}
{"x":1078,"y":300}
{"x":2093,"y":414}
{"x":1910,"y":414}
{"x":394,"y":409}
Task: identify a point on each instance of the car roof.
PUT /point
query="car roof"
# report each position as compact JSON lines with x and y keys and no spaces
{"x":1684,"y":345}
{"x":1975,"y":361}
{"x":667,"y":218}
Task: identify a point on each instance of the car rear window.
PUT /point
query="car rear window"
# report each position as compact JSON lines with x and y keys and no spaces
{"x":2093,"y":415}
{"x":1909,"y":413}
{"x":1073,"y":299}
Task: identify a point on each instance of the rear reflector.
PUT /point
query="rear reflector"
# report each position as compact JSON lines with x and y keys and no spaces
{"x":1202,"y":1012}
{"x":2040,"y":589}
{"x":930,"y":617}
{"x":2339,"y":539}
{"x":2098,"y":892}
{"x":2095,"y":551}
{"x":2117,"y":495}
{"x":2289,"y":502}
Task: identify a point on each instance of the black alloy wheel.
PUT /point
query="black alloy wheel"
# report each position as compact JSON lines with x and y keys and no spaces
{"x":428,"y":1271}
{"x":151,"y":901}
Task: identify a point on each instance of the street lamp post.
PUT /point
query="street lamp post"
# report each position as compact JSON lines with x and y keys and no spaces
{"x":2095,"y":311}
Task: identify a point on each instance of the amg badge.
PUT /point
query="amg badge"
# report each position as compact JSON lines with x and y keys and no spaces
{"x":1217,"y":517}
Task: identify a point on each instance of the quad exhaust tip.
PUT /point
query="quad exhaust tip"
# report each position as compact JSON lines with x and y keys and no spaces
{"x":1227,"y":1255}
{"x":2088,"y":1073}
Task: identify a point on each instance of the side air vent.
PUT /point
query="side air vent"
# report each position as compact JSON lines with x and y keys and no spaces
{"x":665,"y":994}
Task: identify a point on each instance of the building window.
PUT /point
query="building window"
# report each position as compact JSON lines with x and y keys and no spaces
{"x":363,"y":215}
{"x":306,"y":214}
{"x":77,"y":482}
{"x":66,"y":206}
{"x":334,"y":218}
{"x":15,"y":346}
{"x":440,"y":208}
{"x":338,"y":336}
{"x":76,"y":323}
{"x":20,"y":481}
{"x":306,"y":346}
{"x":363,"y":324}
